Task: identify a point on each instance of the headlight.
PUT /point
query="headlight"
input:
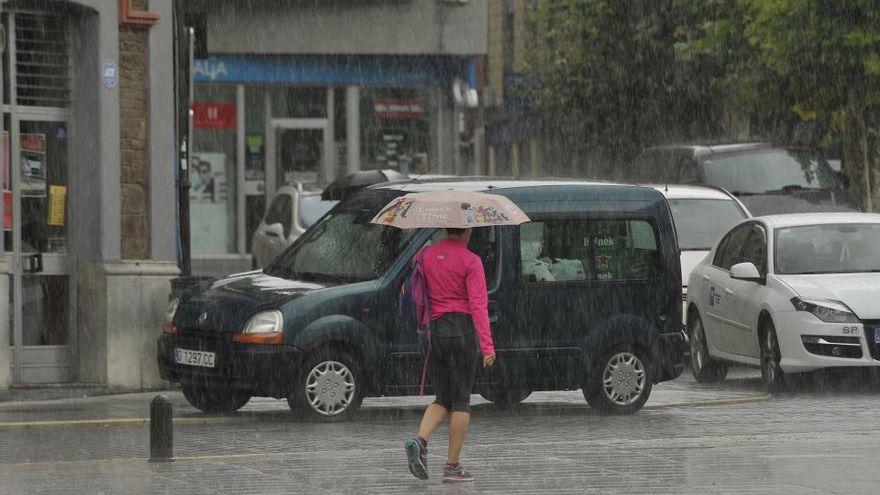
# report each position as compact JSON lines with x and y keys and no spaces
{"x":826,"y":310}
{"x":265,"y":327}
{"x":169,"y":316}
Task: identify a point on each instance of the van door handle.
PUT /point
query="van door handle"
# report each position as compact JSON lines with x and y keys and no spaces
{"x":729,"y":291}
{"x":706,"y":278}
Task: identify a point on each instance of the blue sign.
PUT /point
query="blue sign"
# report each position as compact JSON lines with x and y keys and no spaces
{"x":110,"y":74}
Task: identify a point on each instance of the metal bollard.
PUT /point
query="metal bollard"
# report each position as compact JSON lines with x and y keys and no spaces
{"x":161,"y":430}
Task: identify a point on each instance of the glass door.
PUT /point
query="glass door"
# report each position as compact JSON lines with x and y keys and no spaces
{"x":35,"y":184}
{"x":297,"y":153}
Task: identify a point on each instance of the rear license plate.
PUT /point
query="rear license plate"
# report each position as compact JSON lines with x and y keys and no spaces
{"x":877,"y":335}
{"x":194,"y":358}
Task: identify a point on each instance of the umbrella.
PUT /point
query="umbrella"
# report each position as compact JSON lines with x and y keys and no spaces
{"x":346,"y":186}
{"x":450,"y":209}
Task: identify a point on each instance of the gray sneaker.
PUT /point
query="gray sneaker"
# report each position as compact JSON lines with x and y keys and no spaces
{"x":417,"y":458}
{"x":455,"y":474}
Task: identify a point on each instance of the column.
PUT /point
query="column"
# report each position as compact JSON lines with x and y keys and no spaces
{"x":353,"y":128}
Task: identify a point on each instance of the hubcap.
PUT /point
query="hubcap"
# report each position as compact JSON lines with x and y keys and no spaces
{"x":769,"y":357}
{"x":697,"y":358}
{"x":624,"y":379}
{"x":330,"y":388}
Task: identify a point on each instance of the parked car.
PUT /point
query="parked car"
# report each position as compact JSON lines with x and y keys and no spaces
{"x":767,"y":179}
{"x":702,"y":215}
{"x":294,"y":208}
{"x":788,"y":294}
{"x":586,"y":295}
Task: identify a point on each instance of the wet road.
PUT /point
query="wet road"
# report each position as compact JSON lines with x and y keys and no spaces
{"x":821,"y":439}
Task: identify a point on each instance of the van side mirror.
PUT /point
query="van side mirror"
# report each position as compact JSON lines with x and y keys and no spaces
{"x":745,"y":271}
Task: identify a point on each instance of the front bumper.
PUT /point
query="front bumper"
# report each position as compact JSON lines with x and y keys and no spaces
{"x":261,"y":370}
{"x":668,"y":355}
{"x":829,"y":345}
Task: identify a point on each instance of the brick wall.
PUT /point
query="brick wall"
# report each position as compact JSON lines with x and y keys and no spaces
{"x":133,"y":146}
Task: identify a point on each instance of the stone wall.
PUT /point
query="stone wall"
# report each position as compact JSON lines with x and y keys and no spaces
{"x":133,"y":142}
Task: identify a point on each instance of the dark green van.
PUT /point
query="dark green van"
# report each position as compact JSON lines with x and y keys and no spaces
{"x":587,"y":296}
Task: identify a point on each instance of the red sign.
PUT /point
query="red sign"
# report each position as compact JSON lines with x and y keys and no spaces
{"x":395,"y":108}
{"x":214,"y":115}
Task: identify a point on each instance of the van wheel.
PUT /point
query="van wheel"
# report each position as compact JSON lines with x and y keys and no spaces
{"x":329,"y":388}
{"x":771,"y":372}
{"x":215,"y":399}
{"x":703,"y":367}
{"x":505,"y":397}
{"x":620,"y":383}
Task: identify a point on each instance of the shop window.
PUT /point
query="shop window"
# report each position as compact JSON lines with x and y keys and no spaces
{"x":564,"y":250}
{"x":397,"y":129}
{"x":213,"y":170}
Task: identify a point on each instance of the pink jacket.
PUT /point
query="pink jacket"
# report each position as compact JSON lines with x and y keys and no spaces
{"x":457,"y":284}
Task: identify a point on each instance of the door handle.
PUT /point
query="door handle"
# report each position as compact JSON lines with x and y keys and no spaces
{"x":728,"y":291}
{"x":706,"y":278}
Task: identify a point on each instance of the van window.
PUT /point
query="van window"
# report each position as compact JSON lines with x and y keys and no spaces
{"x":563,"y":250}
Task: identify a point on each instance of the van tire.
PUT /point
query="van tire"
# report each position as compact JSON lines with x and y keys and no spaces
{"x":620,"y":382}
{"x":703,"y":367}
{"x":341,"y":373}
{"x":505,"y":397}
{"x":215,"y":398}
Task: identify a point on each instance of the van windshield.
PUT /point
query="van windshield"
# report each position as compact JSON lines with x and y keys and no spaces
{"x":343,"y":247}
{"x":766,"y":171}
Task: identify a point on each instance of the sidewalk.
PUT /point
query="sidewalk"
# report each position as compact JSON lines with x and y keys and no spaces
{"x":29,"y":408}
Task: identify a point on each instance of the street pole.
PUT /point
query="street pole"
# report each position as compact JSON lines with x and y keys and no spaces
{"x":183,"y":53}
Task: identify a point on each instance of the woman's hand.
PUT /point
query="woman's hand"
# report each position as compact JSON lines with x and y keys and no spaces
{"x":488,"y":360}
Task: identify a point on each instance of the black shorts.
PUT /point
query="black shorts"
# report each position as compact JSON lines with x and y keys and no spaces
{"x":453,"y":360}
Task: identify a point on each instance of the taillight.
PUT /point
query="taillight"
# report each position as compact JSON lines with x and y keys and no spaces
{"x":170,"y":328}
{"x":679,"y":300}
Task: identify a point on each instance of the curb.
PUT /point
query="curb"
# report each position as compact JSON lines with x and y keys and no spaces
{"x":239,"y":419}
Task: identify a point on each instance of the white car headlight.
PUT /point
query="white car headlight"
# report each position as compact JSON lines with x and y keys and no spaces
{"x":170,"y":310}
{"x":265,"y":322}
{"x":826,"y":310}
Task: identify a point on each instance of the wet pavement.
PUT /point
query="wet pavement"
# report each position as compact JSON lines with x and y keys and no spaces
{"x":692,"y":438}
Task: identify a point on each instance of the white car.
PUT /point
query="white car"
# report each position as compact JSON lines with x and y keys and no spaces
{"x":293,"y":210}
{"x":788,"y":294}
{"x":702,"y":214}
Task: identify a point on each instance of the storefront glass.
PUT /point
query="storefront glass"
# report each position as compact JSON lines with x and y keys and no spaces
{"x":213,"y":170}
{"x":399,"y":129}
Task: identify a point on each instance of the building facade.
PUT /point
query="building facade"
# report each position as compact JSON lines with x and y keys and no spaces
{"x":309,"y":91}
{"x":89,"y":190}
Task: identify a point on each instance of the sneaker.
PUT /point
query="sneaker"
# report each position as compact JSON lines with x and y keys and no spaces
{"x":417,"y":458}
{"x":454,"y":474}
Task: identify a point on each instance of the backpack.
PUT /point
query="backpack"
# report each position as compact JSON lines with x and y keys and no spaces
{"x":415,"y":308}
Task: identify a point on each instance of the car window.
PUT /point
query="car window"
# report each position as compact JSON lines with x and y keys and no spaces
{"x":563,"y":250}
{"x":832,"y":248}
{"x":701,"y":222}
{"x":754,"y":249}
{"x":730,"y":246}
{"x":687,"y":170}
{"x":279,"y":212}
{"x":763,"y":171}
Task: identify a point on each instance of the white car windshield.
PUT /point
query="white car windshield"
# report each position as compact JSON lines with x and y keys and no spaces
{"x":829,"y":248}
{"x":701,"y":222}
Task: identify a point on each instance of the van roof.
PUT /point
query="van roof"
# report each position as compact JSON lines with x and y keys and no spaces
{"x":530,"y":190}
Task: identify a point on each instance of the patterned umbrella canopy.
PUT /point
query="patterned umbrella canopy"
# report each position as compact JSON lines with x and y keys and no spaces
{"x":450,"y":209}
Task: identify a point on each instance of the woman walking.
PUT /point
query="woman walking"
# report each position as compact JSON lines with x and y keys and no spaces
{"x":459,"y":335}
